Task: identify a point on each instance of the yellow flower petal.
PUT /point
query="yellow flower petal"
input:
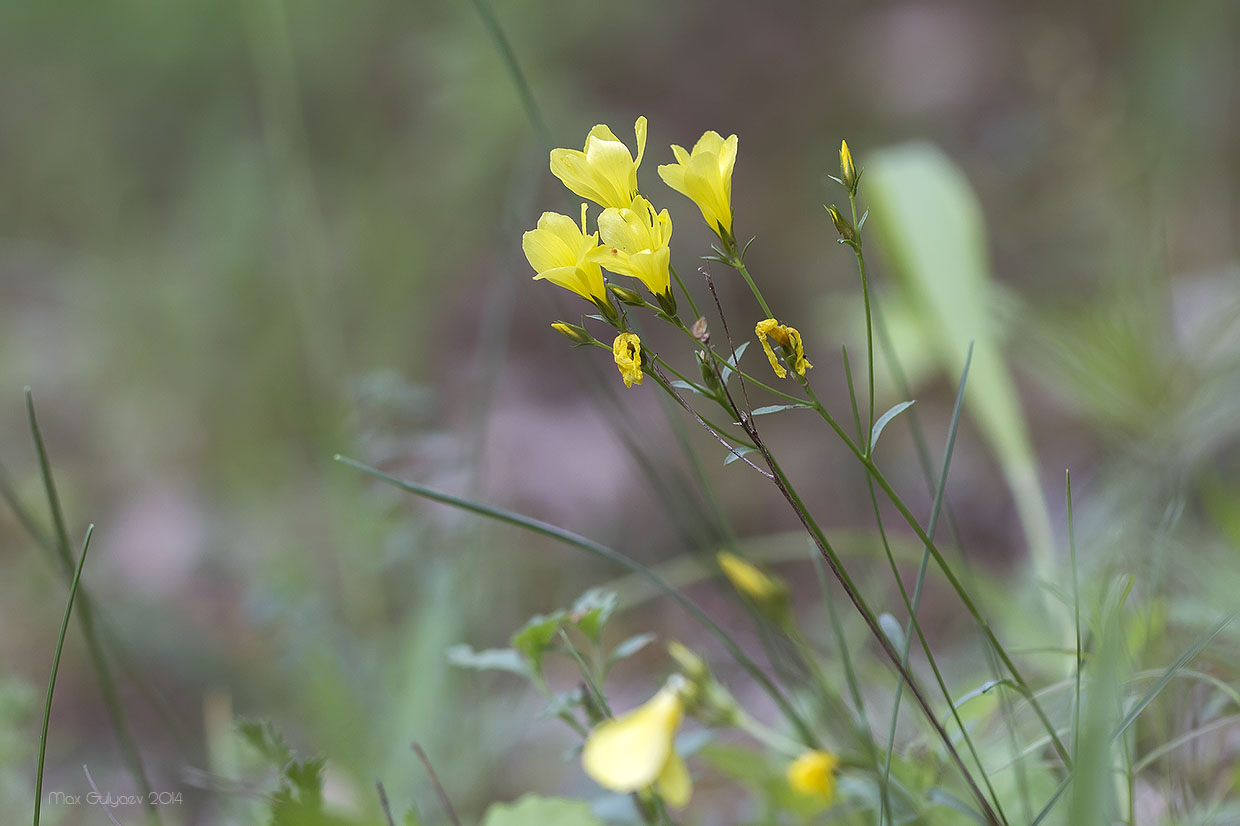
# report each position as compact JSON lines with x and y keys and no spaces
{"x":604,"y":171}
{"x":560,"y":252}
{"x":635,"y":243}
{"x":632,"y":751}
{"x":674,"y":784}
{"x":813,"y":775}
{"x":705,"y":177}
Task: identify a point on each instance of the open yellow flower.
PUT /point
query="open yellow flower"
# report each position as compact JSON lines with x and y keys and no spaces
{"x":635,"y":243}
{"x":788,"y":338}
{"x":605,"y":171}
{"x":559,"y":251}
{"x":704,"y":176}
{"x":627,"y":349}
{"x":637,"y":750}
{"x":813,"y":775}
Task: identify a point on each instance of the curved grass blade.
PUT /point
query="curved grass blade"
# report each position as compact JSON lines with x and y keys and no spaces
{"x":51,"y":681}
{"x":598,"y":549}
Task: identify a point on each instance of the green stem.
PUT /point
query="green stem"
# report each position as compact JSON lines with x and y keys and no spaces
{"x":961,"y":592}
{"x":685,"y":290}
{"x":103,"y":673}
{"x":51,"y":682}
{"x":869,"y":325}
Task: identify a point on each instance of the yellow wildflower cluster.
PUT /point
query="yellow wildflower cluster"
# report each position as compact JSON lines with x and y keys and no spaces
{"x":633,"y":237}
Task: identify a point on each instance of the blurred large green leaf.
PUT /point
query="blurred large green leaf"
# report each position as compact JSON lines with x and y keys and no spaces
{"x":929,"y":226}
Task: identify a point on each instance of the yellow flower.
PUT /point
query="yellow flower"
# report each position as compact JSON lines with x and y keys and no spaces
{"x":813,"y":775}
{"x":559,"y":251}
{"x":627,"y":349}
{"x":788,"y":338}
{"x":748,"y":579}
{"x":605,"y":171}
{"x":848,"y":170}
{"x":637,"y":750}
{"x":705,"y":177}
{"x":635,"y":242}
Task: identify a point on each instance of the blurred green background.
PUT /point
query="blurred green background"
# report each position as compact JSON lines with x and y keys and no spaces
{"x":238,"y":238}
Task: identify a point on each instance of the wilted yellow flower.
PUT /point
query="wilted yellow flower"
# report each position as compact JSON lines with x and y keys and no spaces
{"x":813,"y":775}
{"x":848,"y":171}
{"x":787,"y":337}
{"x":637,"y":750}
{"x":635,"y":243}
{"x":605,"y":172}
{"x":705,"y":177}
{"x":627,"y":349}
{"x":748,"y":579}
{"x":559,"y":251}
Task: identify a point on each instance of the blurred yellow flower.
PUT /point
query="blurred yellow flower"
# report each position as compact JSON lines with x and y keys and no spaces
{"x":637,"y":750}
{"x":788,"y":338}
{"x":705,"y":177}
{"x":635,"y":241}
{"x":813,"y":775}
{"x":627,"y":349}
{"x":605,"y":172}
{"x":748,"y":579}
{"x":559,"y":251}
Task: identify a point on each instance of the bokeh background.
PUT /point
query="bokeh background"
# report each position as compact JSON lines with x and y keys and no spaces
{"x":239,"y":238}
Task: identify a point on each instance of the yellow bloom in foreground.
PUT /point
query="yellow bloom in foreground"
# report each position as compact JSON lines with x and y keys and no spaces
{"x":559,"y":251}
{"x":637,"y":750}
{"x":705,"y":177}
{"x":748,"y":579}
{"x":813,"y":775}
{"x":635,"y":243}
{"x":788,"y":338}
{"x":605,"y":172}
{"x":627,"y":349}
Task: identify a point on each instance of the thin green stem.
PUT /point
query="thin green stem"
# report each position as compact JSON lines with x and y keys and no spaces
{"x":961,"y":592}
{"x":869,"y":324}
{"x":1076,"y":608}
{"x":496,"y":32}
{"x":51,"y":681}
{"x":685,"y":290}
{"x":103,"y":673}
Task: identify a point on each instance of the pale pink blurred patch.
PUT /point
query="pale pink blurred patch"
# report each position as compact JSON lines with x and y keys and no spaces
{"x":154,"y":541}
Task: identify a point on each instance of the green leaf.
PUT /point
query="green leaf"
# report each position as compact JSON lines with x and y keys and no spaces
{"x":776,"y":408}
{"x":884,"y":419}
{"x":592,"y":610}
{"x":491,"y":659}
{"x":892,"y":630}
{"x":630,"y":647}
{"x":731,"y":363}
{"x":533,"y":810}
{"x":684,"y":385}
{"x":266,"y":740}
{"x":736,"y":454}
{"x":533,"y":638}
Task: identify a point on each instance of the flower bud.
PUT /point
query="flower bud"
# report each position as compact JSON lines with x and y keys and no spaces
{"x":627,"y":296}
{"x":700,"y":331}
{"x":842,"y":225}
{"x":848,"y":171}
{"x":572,"y":332}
